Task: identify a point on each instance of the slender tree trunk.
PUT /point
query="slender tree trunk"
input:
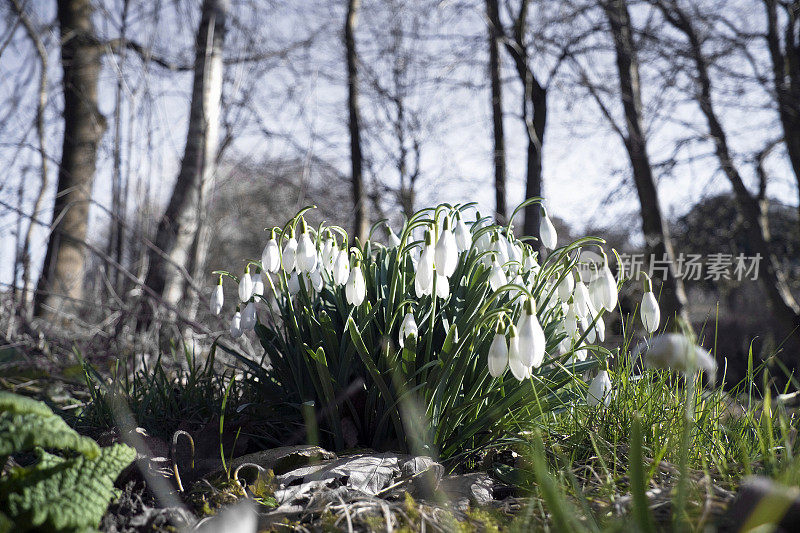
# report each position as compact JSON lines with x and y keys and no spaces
{"x":656,"y":232}
{"x":754,"y":212}
{"x":361,"y":224}
{"x":177,"y":230}
{"x":60,"y":287}
{"x":534,"y":114}
{"x":786,"y":77}
{"x":41,"y":136}
{"x":499,"y":151}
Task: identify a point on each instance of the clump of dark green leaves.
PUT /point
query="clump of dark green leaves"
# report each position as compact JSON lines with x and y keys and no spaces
{"x":69,"y":491}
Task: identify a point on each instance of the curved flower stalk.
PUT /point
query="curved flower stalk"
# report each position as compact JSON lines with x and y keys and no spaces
{"x":217,"y":298}
{"x":649,"y":310}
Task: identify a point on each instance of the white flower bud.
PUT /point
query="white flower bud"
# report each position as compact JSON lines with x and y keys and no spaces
{"x":217,"y":298}
{"x":498,"y":355}
{"x":599,"y":390}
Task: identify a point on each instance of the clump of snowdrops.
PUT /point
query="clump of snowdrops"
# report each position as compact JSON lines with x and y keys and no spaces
{"x":454,"y":335}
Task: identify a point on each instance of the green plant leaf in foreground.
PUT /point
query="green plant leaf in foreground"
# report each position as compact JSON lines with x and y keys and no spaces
{"x":60,"y":494}
{"x":26,"y":424}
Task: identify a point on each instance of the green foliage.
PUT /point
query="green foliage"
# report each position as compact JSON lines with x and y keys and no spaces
{"x":56,"y":493}
{"x":435,"y":395}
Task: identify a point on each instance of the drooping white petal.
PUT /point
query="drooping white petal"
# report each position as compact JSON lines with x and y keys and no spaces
{"x":289,"y":255}
{"x":245,"y":287}
{"x":650,"y":312}
{"x":497,"y":278}
{"x":531,"y":340}
{"x":498,"y":355}
{"x":446,"y":253}
{"x":608,"y":289}
{"x":249,"y":318}
{"x":442,"y":286}
{"x":217,"y":299}
{"x":463,"y":236}
{"x":329,"y":254}
{"x":547,"y":232}
{"x":315,"y":277}
{"x":236,"y":325}
{"x":580,"y":295}
{"x":293,"y":285}
{"x":565,"y":287}
{"x":341,"y":269}
{"x":425,"y":272}
{"x":515,"y":363}
{"x":258,"y":285}
{"x":271,"y":256}
{"x":306,"y":257}
{"x":407,"y":328}
{"x":355,"y":288}
{"x":394,"y":240}
{"x":599,"y":390}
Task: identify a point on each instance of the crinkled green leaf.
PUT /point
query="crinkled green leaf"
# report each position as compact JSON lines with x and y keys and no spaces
{"x":22,"y":431}
{"x":22,"y":404}
{"x":60,"y":494}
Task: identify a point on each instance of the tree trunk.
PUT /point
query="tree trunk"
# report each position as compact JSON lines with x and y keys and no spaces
{"x":60,"y":286}
{"x":786,"y":77}
{"x":534,"y":114}
{"x":754,"y":212}
{"x":41,"y":51}
{"x":361,"y":224}
{"x":656,"y":232}
{"x":177,"y":230}
{"x":499,"y":151}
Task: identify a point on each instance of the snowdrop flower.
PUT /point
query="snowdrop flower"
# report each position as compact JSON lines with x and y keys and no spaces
{"x":571,"y":321}
{"x":547,"y":231}
{"x":677,"y":352}
{"x":599,"y":390}
{"x":606,"y":288}
{"x":442,"y":286}
{"x":497,"y":278}
{"x":407,"y":328}
{"x":341,"y":268}
{"x":258,"y":285}
{"x":498,"y":354}
{"x":500,"y":246}
{"x":306,"y":258}
{"x":246,"y":285}
{"x":600,"y":329}
{"x":249,"y":318}
{"x":446,"y":252}
{"x":649,"y":310}
{"x":518,"y":368}
{"x":394,"y":240}
{"x":217,"y":298}
{"x":356,"y":289}
{"x":531,"y":342}
{"x":236,"y":324}
{"x":293,"y":285}
{"x":315,"y":278}
{"x":463,"y":236}
{"x":530,"y":265}
{"x":423,"y":281}
{"x":565,"y":287}
{"x":513,"y":249}
{"x":329,"y":252}
{"x":271,"y":256}
{"x":581,"y":297}
{"x":289,"y":253}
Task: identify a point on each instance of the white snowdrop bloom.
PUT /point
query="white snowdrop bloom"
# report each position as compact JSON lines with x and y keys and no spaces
{"x":599,"y":390}
{"x":677,"y":352}
{"x":407,"y":328}
{"x":514,"y":251}
{"x":581,"y":297}
{"x":289,"y":254}
{"x":271,"y":256}
{"x":245,"y":285}
{"x":258,"y":285}
{"x":293,"y":285}
{"x":425,"y":266}
{"x":463,"y":236}
{"x":498,"y":355}
{"x":565,"y":287}
{"x":497,"y":278}
{"x":236,"y":325}
{"x":596,"y":295}
{"x":530,"y":264}
{"x":515,"y":364}
{"x":607,"y":289}
{"x":446,"y":252}
{"x":517,"y":281}
{"x":329,"y":253}
{"x":442,"y":286}
{"x":315,"y":279}
{"x":586,"y":321}
{"x":217,"y":298}
{"x":249,"y":318}
{"x":306,"y":257}
{"x":531,"y":337}
{"x":356,"y":289}
{"x":500,"y":246}
{"x":649,"y":311}
{"x":600,"y":329}
{"x":547,"y":231}
{"x":341,"y":268}
{"x":393,"y":239}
